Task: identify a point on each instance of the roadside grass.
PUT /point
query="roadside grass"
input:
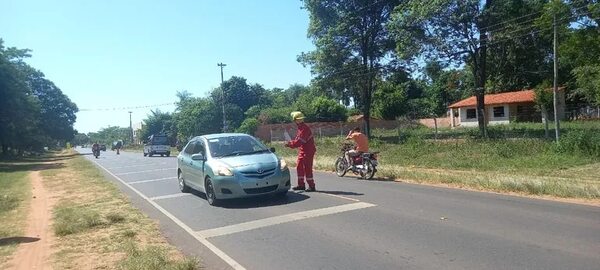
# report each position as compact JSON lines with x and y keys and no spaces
{"x":152,"y":258}
{"x":524,"y":164}
{"x":98,"y":228}
{"x":15,"y":196}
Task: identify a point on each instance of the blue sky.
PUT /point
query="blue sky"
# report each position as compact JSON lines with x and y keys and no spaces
{"x":119,"y":54}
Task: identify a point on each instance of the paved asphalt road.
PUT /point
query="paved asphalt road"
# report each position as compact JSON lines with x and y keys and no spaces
{"x":356,"y":224}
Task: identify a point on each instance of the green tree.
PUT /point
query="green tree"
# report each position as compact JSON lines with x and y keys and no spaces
{"x":249,"y":126}
{"x":197,"y":116}
{"x":352,"y":41}
{"x":33,"y":111}
{"x":451,"y":30}
{"x":159,"y":122}
{"x":544,"y":100}
{"x":390,"y":100}
{"x":588,"y":82}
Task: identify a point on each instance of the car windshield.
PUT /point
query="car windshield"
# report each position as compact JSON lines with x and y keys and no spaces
{"x":235,"y":146}
{"x":160,"y":140}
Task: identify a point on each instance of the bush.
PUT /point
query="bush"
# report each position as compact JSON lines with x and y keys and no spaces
{"x":249,"y":126}
{"x":275,"y":116}
{"x":586,"y":142}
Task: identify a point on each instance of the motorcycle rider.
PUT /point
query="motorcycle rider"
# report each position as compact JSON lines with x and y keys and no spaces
{"x":305,"y":142}
{"x":119,"y":145}
{"x":361,"y":142}
{"x":95,"y":147}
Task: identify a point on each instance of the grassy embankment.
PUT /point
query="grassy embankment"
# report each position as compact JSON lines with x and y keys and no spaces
{"x":516,"y":159}
{"x":95,"y":225}
{"x":15,"y":197}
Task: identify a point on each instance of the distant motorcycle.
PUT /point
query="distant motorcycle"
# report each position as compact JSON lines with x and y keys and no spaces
{"x":96,"y":150}
{"x":365,"y":164}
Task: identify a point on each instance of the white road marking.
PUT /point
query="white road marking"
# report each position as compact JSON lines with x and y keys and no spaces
{"x":141,"y":165}
{"x":256,"y":224}
{"x":340,"y":196}
{"x":151,"y":180}
{"x":170,"y":196}
{"x":235,"y":265}
{"x":155,"y":170}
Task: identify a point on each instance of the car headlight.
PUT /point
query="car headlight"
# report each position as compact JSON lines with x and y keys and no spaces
{"x":224,"y":171}
{"x":283,"y":165}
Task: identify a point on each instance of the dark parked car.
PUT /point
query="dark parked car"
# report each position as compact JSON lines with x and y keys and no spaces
{"x":103,"y":147}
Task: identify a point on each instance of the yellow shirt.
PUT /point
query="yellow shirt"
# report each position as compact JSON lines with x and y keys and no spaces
{"x":361,"y":140}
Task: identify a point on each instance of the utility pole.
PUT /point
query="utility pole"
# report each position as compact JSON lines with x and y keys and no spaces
{"x":130,"y":127}
{"x":555,"y":56}
{"x":223,"y":97}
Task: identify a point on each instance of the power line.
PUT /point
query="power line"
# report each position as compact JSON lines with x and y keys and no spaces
{"x":127,"y":108}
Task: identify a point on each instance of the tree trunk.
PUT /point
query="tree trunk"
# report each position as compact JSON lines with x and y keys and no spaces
{"x":545,"y":118}
{"x":481,"y":117}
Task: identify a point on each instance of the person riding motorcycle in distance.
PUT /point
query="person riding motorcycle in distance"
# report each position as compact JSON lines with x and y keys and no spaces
{"x":305,"y":143}
{"x":361,"y":142}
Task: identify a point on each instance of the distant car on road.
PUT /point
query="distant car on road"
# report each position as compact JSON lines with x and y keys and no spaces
{"x":103,"y":147}
{"x":226,"y":166}
{"x":157,"y":144}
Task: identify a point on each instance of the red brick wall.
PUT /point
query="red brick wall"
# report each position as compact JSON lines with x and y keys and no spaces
{"x":441,"y":122}
{"x":275,"y":131}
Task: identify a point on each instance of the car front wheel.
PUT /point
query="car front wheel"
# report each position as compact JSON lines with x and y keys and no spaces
{"x":210,"y":193}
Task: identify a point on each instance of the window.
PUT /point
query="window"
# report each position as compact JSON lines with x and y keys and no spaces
{"x":499,"y":111}
{"x":471,"y":114}
{"x":234,"y":146}
{"x":199,"y":149}
{"x":189,"y":149}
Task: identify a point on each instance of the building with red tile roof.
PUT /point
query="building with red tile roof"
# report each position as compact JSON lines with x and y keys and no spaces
{"x":501,"y":108}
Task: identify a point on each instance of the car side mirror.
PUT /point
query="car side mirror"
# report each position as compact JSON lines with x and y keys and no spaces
{"x":198,"y":157}
{"x":272,"y":149}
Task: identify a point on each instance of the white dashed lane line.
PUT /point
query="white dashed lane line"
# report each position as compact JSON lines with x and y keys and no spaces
{"x":151,"y":180}
{"x":202,"y":236}
{"x":256,"y":224}
{"x":155,"y":170}
{"x":234,"y":264}
{"x":170,"y":196}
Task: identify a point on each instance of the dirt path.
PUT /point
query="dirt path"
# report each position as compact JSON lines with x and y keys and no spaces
{"x":34,"y":250}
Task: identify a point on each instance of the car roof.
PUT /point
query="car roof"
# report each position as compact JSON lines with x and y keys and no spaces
{"x":220,"y":135}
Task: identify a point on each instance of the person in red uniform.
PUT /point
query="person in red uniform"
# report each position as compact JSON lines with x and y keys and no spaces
{"x":305,"y":143}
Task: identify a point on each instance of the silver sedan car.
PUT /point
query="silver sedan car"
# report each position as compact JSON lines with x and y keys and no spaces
{"x":231,"y":165}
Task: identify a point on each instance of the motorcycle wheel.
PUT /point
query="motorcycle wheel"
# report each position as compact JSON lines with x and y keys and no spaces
{"x":341,"y":167}
{"x":368,"y":170}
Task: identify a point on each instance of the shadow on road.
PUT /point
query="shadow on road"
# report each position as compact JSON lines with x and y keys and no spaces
{"x":17,"y":240}
{"x":258,"y":202}
{"x":343,"y":193}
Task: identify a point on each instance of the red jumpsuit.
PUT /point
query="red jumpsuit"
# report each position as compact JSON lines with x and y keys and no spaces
{"x":306,"y":144}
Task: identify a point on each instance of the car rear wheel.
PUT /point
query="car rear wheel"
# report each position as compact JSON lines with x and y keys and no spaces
{"x":182,"y":186}
{"x":210,"y":193}
{"x":168,"y":154}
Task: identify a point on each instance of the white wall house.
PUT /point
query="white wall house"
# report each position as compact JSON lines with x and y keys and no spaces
{"x":500,"y":108}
